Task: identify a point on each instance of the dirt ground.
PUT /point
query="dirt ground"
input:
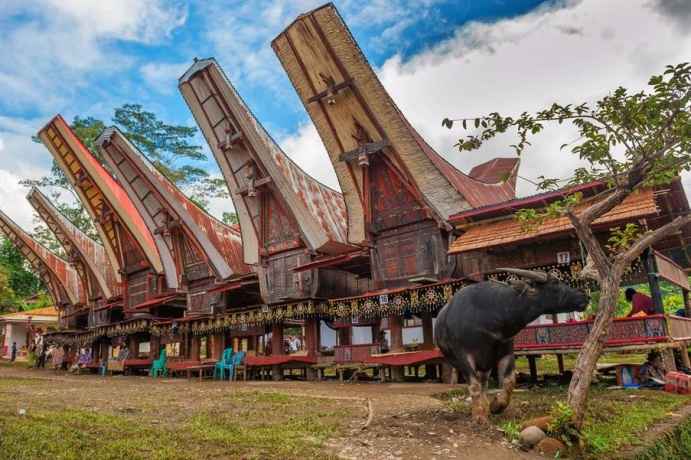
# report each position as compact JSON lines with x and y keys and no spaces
{"x":407,"y":422}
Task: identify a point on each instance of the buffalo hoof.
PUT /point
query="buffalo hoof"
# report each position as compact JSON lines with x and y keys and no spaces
{"x":497,"y":406}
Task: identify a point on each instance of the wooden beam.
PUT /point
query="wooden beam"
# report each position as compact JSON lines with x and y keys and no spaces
{"x":368,"y":148}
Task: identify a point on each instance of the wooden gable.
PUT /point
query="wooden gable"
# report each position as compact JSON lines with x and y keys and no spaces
{"x":86,"y":255}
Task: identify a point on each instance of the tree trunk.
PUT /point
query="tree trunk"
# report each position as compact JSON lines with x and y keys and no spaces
{"x":594,"y":344}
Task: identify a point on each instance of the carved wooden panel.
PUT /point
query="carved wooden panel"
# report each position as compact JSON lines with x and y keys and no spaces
{"x":137,"y":288}
{"x":392,"y":203}
{"x":279,"y":231}
{"x":415,"y":251}
{"x":283,"y":282}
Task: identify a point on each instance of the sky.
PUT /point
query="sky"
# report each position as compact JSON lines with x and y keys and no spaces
{"x":437,"y":58}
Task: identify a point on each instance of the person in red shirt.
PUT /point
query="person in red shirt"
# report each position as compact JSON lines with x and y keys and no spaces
{"x":639,"y":302}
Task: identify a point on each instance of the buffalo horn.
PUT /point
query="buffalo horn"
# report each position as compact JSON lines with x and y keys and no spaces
{"x":540,"y":277}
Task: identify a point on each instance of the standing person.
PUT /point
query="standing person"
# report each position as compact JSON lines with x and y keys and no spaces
{"x":13,"y":355}
{"x":639,"y":302}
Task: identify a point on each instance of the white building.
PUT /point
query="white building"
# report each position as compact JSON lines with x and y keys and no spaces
{"x":19,"y":327}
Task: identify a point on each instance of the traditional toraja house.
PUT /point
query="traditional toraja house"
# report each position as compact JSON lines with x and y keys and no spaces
{"x":491,"y":237}
{"x":206,"y":255}
{"x":59,"y":277}
{"x":86,"y":255}
{"x":287,"y":218}
{"x":128,"y":243}
{"x":399,"y":193}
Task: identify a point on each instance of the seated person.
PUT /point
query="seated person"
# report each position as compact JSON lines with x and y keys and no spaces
{"x":652,"y":372}
{"x":123,"y":354}
{"x":639,"y":303}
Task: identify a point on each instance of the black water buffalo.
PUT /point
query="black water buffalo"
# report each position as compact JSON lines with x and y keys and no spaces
{"x":475,"y":329}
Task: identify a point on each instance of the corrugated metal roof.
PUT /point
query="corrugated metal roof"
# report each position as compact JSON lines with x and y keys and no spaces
{"x":91,"y":252}
{"x":51,"y":267}
{"x":222,"y":243}
{"x":25,"y":315}
{"x":96,"y":187}
{"x":489,"y":183}
{"x":221,"y":112}
{"x":510,"y":231}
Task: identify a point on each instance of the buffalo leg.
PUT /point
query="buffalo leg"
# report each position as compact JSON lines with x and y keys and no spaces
{"x":477,"y":386}
{"x":507,"y":380}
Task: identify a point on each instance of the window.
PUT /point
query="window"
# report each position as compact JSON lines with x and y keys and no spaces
{"x":173,"y":349}
{"x":361,"y":335}
{"x":293,"y":339}
{"x":144,"y":348}
{"x":412,"y":331}
{"x":327,"y":336}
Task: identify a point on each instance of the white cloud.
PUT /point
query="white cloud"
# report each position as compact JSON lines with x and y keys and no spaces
{"x":560,"y":54}
{"x":307,"y":150}
{"x":163,"y":76}
{"x":55,"y":46}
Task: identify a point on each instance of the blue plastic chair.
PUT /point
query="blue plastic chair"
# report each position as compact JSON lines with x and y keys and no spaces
{"x":225,"y":364}
{"x":237,"y":361}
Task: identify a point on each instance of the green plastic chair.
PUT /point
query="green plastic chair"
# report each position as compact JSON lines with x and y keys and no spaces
{"x":225,"y":364}
{"x":158,"y":367}
{"x":238,"y":358}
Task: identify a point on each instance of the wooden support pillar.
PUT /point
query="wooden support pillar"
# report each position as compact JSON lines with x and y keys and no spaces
{"x":194,"y":348}
{"x":427,"y":332}
{"x":687,"y":305}
{"x":560,"y":364}
{"x":312,"y":336}
{"x":684,"y":351}
{"x":154,"y":346}
{"x":668,"y":359}
{"x":653,"y":280}
{"x":277,"y":339}
{"x":532,"y":361}
{"x":132,"y":345}
{"x":396,"y":330}
{"x":216,"y":346}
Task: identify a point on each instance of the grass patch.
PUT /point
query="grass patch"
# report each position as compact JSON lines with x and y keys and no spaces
{"x":615,"y":418}
{"x":618,"y":421}
{"x":240,"y":424}
{"x":672,"y":446}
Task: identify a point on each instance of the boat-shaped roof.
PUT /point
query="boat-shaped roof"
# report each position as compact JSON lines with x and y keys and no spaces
{"x":103,"y":197}
{"x":239,"y":143}
{"x":159,"y":200}
{"x":60,"y":278}
{"x":91,"y":253}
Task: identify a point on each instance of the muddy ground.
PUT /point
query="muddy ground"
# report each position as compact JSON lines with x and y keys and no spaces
{"x":408,"y":421}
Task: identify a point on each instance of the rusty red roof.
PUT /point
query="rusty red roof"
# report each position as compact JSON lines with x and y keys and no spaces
{"x":99,"y":192}
{"x":91,"y":253}
{"x":221,"y":243}
{"x":60,"y":277}
{"x":489,"y":183}
{"x":495,"y":170}
{"x":240,"y":143}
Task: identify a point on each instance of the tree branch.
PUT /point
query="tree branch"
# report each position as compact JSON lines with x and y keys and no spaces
{"x":650,"y":238}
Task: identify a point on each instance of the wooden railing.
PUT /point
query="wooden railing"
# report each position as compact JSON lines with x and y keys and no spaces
{"x":356,"y":353}
{"x":623,"y":332}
